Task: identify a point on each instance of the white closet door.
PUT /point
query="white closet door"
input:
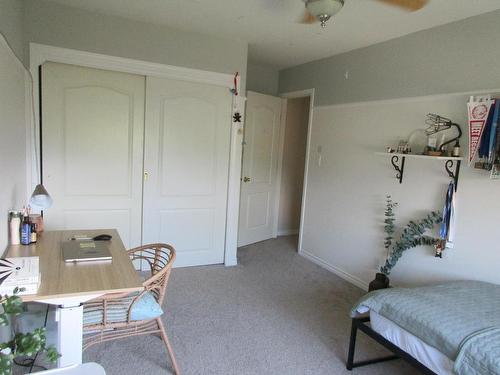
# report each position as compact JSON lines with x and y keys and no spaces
{"x":186,"y":160}
{"x":93,"y":126}
{"x":260,"y":169}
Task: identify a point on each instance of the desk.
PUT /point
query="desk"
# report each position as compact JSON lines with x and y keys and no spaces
{"x":68,"y":285}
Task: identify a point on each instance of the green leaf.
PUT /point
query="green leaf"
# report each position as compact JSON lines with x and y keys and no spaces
{"x":12,"y":305}
{"x":4,"y":319}
{"x":52,"y":354}
{"x":25,"y":344}
{"x":6,"y":361}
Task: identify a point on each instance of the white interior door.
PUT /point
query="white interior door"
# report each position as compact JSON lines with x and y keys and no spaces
{"x":93,"y":127}
{"x":260,"y":168}
{"x":186,"y":160}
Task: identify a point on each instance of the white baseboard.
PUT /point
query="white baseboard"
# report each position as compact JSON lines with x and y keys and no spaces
{"x":287,"y":232}
{"x":337,"y":271}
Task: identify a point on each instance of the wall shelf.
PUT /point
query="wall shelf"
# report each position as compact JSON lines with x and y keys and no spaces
{"x":398,"y":162}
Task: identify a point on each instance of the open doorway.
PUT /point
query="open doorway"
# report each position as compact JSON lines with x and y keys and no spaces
{"x":296,"y":122}
{"x":274,"y":165}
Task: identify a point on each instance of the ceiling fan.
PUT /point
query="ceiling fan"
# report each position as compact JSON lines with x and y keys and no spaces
{"x":322,"y":10}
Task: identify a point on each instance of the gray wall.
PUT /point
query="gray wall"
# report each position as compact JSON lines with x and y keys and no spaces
{"x":457,"y":57}
{"x":262,"y":78}
{"x":53,"y":24}
{"x":11,"y":24}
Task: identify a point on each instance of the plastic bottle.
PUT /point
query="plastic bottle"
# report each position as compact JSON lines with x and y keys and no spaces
{"x":14,"y":227}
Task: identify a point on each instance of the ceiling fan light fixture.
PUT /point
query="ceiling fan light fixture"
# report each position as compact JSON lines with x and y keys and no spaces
{"x":323,"y":10}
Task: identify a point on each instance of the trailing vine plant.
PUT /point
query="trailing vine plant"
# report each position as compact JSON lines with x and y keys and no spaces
{"x":20,"y":344}
{"x":413,"y":235}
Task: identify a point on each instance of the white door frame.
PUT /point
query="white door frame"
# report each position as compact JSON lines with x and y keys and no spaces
{"x":292,"y":95}
{"x":40,"y":53}
{"x":279,"y":171}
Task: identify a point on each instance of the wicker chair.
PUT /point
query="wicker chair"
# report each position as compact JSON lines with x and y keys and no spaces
{"x":160,"y":258}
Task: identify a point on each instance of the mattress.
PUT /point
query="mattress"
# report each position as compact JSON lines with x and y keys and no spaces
{"x":422,"y":352}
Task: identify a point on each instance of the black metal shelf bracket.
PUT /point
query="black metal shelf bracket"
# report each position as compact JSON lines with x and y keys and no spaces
{"x":448,"y":165}
{"x":399,"y":168}
{"x":452,"y":165}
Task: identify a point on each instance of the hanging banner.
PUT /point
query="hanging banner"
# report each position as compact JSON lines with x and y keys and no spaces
{"x":478,"y":109}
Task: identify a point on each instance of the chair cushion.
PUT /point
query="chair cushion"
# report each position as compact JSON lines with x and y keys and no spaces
{"x":143,"y":309}
{"x":146,"y":308}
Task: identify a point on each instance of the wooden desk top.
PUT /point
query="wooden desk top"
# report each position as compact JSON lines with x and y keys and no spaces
{"x":60,"y":279}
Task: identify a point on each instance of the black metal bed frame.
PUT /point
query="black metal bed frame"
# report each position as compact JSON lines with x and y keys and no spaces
{"x":361,"y":323}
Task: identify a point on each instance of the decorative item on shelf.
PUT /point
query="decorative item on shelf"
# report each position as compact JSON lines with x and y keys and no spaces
{"x":412,"y":235}
{"x":431,"y":152}
{"x":456,"y":149}
{"x":432,"y":149}
{"x":403,"y":147}
{"x":437,"y":143}
{"x":433,"y":140}
{"x":417,"y":140}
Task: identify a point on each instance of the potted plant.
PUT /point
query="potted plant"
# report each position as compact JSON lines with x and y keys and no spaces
{"x":412,"y":235}
{"x":20,"y":344}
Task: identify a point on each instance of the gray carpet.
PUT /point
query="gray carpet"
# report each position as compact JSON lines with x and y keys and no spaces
{"x":274,"y":313}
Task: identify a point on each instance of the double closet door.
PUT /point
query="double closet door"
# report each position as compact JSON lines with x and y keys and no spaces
{"x":146,"y":155}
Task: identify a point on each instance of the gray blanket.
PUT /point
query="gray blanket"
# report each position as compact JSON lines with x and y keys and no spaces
{"x":461,"y":319}
{"x":480,"y":354}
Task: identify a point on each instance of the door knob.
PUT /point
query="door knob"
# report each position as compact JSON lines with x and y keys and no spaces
{"x":246,"y":179}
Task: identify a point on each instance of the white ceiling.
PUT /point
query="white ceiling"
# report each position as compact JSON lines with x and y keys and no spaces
{"x":271,"y":28}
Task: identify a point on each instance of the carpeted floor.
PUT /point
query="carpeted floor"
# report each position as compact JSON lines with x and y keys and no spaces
{"x":274,"y":313}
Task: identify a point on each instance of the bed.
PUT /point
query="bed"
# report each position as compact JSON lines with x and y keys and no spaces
{"x":451,"y":328}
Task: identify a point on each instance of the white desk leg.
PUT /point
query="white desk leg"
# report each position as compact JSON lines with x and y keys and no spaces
{"x":69,"y":315}
{"x":69,"y":335}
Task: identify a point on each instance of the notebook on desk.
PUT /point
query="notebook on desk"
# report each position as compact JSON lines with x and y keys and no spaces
{"x":85,"y":251}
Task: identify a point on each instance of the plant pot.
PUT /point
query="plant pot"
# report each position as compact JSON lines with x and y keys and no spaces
{"x":381,"y":281}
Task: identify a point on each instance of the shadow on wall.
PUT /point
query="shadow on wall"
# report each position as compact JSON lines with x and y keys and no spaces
{"x":293,"y":163}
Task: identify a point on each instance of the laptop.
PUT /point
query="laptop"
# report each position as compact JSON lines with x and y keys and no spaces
{"x":85,"y":251}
